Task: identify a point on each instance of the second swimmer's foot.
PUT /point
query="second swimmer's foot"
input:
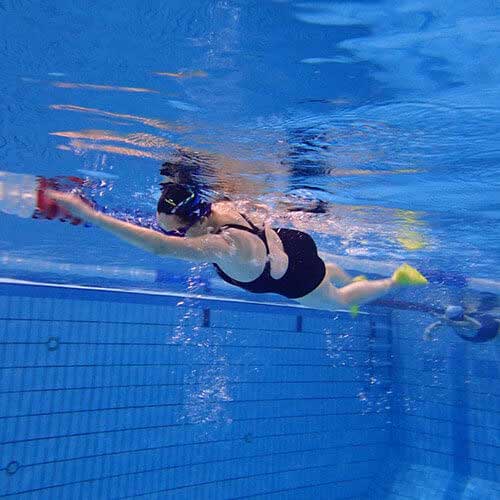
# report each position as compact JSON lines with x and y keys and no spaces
{"x":407,"y":275}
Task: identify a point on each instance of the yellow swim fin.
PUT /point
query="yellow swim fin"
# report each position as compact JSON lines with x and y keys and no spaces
{"x":407,"y":275}
{"x":354,"y":310}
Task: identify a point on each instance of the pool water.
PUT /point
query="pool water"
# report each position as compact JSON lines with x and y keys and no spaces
{"x":123,"y":374}
{"x":387,"y":112}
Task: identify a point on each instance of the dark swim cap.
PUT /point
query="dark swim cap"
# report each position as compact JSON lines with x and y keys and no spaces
{"x":179,"y":200}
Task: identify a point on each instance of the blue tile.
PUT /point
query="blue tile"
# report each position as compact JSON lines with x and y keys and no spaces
{"x":92,"y":387}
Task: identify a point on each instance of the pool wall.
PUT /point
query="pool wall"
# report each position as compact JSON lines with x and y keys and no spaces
{"x":108,"y":394}
{"x":446,"y":431}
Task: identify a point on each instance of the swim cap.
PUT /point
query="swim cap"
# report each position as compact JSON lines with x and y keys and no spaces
{"x":179,"y":200}
{"x":454,"y":313}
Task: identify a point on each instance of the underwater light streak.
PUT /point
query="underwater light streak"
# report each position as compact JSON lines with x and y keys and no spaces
{"x":354,"y":172}
{"x":77,"y":145}
{"x":136,"y":139}
{"x":91,"y":86}
{"x":183,"y":74}
{"x":151,"y":122}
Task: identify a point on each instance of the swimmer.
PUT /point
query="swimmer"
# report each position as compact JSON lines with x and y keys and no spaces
{"x":476,"y":327}
{"x":259,"y":259}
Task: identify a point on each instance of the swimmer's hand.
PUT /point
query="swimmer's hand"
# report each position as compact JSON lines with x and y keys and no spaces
{"x":75,"y":205}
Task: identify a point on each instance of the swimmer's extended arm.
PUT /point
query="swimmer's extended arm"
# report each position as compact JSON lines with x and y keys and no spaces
{"x":209,"y":248}
{"x":430,"y":328}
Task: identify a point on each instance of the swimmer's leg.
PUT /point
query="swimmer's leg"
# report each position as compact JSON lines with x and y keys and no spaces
{"x":337,"y":275}
{"x":361,"y":292}
{"x":328,"y":297}
{"x":364,"y":291}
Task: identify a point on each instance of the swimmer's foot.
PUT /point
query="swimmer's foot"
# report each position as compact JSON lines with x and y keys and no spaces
{"x":354,"y":309}
{"x":407,"y":275}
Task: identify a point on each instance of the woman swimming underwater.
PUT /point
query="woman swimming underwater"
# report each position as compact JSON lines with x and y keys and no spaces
{"x":257,"y":259}
{"x":473,"y":327}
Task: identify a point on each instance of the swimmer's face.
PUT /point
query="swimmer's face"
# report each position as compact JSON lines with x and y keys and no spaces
{"x":169,"y":222}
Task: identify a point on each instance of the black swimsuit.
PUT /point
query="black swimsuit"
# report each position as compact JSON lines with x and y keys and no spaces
{"x":305,"y":269}
{"x":487,"y":331}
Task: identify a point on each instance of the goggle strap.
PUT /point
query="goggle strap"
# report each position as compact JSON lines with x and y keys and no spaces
{"x":187,"y":200}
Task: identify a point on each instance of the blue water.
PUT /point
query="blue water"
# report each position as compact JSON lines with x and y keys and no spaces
{"x":386,"y":111}
{"x":390,"y":112}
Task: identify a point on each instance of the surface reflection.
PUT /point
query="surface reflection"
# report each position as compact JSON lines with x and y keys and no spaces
{"x":137,"y":139}
{"x":150,"y":122}
{"x":183,"y":74}
{"x":90,"y":86}
{"x":78,"y":147}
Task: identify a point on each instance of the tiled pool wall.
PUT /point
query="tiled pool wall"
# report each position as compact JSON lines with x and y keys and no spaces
{"x":446,"y":430}
{"x":111,"y":394}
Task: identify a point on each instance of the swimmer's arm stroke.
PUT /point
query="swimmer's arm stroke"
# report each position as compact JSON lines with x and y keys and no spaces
{"x":431,"y":328}
{"x":209,"y":248}
{"x":471,"y":321}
